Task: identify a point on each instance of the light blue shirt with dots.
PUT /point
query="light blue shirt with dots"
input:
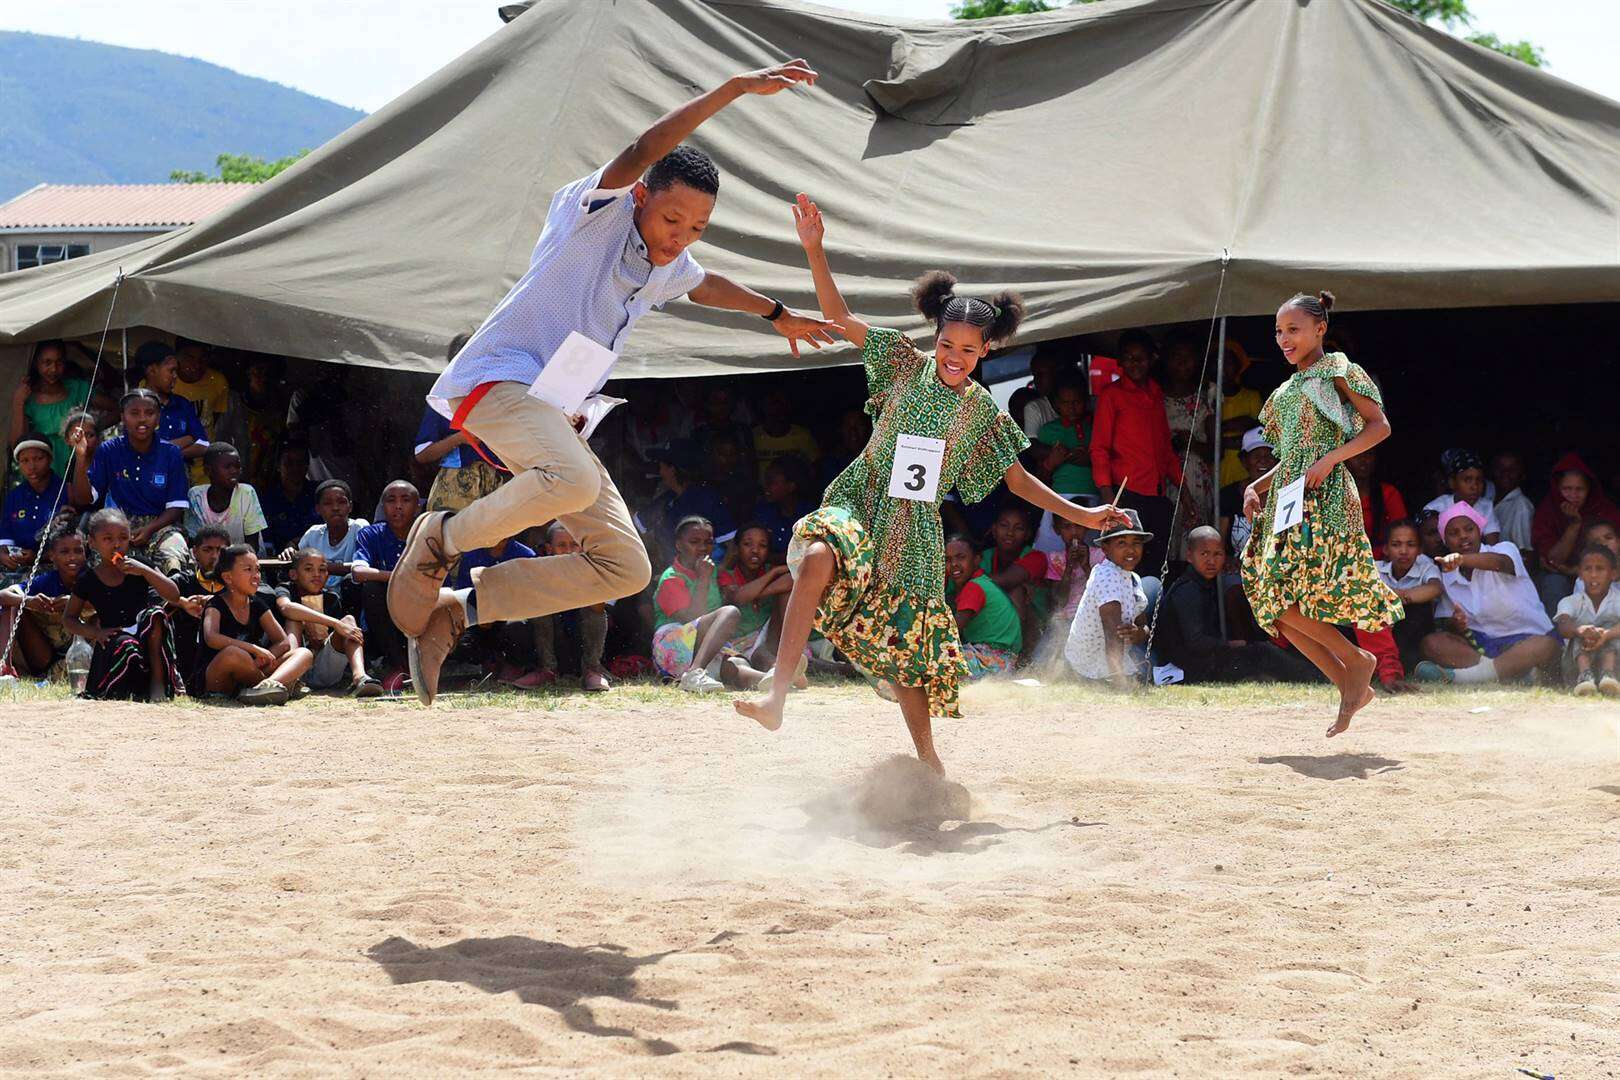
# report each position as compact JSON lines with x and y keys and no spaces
{"x":589,"y":273}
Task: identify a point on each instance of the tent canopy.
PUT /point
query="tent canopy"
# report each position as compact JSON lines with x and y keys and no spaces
{"x":1104,"y":160}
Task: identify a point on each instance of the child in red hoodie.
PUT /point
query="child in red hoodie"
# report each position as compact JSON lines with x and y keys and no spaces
{"x":1130,"y":443}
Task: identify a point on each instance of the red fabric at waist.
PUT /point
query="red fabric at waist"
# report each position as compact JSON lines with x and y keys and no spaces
{"x":458,"y":423}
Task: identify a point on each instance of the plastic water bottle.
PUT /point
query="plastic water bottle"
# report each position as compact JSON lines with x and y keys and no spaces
{"x":78,"y":665}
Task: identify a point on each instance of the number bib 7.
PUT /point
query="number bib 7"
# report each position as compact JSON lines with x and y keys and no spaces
{"x":917,"y":462}
{"x":1290,"y":507}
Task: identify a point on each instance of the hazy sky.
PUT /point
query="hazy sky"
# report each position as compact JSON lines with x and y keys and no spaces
{"x":364,"y":52}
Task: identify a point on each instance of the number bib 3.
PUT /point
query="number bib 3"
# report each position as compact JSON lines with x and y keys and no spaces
{"x":917,"y":463}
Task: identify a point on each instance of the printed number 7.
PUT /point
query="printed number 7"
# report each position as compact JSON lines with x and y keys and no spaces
{"x":1288,"y":510}
{"x":919,"y":478}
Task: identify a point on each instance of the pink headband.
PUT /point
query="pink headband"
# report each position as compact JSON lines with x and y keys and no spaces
{"x":1463,"y":510}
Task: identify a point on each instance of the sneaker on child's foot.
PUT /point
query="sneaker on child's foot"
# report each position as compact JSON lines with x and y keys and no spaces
{"x":1586,"y":685}
{"x":1609,"y":686}
{"x":698,"y":681}
{"x":1429,"y":671}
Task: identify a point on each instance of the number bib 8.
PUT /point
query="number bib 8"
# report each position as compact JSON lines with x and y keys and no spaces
{"x":917,"y":462}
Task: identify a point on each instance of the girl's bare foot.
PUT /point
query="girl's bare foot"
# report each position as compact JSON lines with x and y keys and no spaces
{"x":157,"y":693}
{"x":1357,"y":692}
{"x":931,"y":760}
{"x":767,"y":710}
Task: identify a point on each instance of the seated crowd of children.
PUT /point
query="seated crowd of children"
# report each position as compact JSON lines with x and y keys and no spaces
{"x":152,"y":527}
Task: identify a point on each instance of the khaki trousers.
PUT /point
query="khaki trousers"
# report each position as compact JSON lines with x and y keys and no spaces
{"x":554,"y":476}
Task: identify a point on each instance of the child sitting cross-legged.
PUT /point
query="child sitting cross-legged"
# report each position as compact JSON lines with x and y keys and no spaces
{"x":1113,"y":613}
{"x":1494,"y":625}
{"x":1413,"y":577}
{"x":198,"y":585}
{"x":1189,"y":628}
{"x":132,"y":636}
{"x":986,"y":620}
{"x":503,"y":649}
{"x":693,"y":621}
{"x":1589,"y":620}
{"x":589,"y":624}
{"x":244,"y":651}
{"x":315,"y":619}
{"x":40,"y":638}
{"x":376,"y":551}
{"x":758,"y":590}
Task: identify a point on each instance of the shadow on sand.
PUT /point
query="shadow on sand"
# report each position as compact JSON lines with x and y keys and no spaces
{"x":1336,"y":766}
{"x":901,"y":803}
{"x":548,"y":973}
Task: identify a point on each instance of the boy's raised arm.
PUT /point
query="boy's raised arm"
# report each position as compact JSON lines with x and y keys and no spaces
{"x":674,"y":126}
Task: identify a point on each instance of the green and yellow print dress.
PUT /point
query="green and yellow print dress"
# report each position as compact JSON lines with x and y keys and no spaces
{"x":1325,"y":563}
{"x":886,"y":608}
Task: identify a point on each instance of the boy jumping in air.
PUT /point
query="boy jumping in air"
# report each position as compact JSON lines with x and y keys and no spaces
{"x":613,"y":247}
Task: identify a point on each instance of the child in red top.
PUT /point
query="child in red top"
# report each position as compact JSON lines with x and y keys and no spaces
{"x":1130,"y":443}
{"x":1381,"y":504}
{"x":1018,"y":569}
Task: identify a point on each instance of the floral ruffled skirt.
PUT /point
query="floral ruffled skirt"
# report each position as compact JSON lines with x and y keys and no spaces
{"x":1328,"y":573}
{"x":886,"y":632}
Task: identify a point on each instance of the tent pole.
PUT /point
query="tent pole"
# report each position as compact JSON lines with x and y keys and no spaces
{"x":124,"y":352}
{"x":1220,"y":419}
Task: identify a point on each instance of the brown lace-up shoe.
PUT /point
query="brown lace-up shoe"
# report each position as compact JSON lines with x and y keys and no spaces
{"x":413,"y":588}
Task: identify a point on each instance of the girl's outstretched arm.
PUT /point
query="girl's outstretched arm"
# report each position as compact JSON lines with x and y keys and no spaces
{"x":1027,"y":487}
{"x":807,"y":220}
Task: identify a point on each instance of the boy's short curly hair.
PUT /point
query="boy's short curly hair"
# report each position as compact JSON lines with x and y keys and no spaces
{"x":686,"y":165}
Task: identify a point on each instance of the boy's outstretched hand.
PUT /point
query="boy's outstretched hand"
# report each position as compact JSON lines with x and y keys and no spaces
{"x":797,"y":327}
{"x":773,"y":79}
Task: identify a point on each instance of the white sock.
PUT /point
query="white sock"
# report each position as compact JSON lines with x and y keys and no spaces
{"x":469,"y":605}
{"x":1482,"y":672}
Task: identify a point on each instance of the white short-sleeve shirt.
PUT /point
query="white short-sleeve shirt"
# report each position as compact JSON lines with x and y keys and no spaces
{"x":1086,"y":651}
{"x":1421,"y":572}
{"x":1486,"y":508}
{"x":589,"y":273}
{"x":1578,"y":606}
{"x":1497,"y":605}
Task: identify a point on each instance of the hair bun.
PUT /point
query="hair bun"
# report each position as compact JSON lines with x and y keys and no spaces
{"x":1327,"y":300}
{"x":932,"y":292}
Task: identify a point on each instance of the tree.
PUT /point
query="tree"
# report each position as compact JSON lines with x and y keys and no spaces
{"x":237,"y":169}
{"x":1454,"y":13}
{"x":1448,"y":13}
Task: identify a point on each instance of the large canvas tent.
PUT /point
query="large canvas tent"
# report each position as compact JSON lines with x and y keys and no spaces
{"x":1105,"y":159}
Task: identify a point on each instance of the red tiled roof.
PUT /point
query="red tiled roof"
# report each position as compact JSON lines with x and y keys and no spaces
{"x":120,"y":206}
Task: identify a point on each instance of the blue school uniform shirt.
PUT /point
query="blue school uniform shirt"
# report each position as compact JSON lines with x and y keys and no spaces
{"x":780,"y":525}
{"x":178,"y":419}
{"x":589,"y":272}
{"x":472,"y":560}
{"x":378,"y":547}
{"x":433,"y":428}
{"x":48,"y":584}
{"x":286,"y":520}
{"x":28,"y":511}
{"x":141,"y":485}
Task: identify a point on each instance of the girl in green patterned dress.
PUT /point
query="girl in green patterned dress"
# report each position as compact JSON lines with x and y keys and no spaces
{"x":869,"y":565}
{"x":1319,"y":573}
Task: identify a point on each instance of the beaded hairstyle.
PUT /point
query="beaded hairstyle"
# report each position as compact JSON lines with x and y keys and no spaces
{"x":998,"y":318}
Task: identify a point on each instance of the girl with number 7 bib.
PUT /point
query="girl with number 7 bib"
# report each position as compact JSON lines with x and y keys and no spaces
{"x":1318,"y":573}
{"x":869,"y":566}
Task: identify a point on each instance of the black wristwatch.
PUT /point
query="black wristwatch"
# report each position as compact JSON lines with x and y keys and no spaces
{"x":776,"y":312}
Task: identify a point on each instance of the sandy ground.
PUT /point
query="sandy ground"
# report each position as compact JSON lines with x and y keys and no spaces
{"x":1183,"y":884}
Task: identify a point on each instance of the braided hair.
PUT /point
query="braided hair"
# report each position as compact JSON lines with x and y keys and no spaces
{"x":998,"y":317}
{"x":1317,"y":307}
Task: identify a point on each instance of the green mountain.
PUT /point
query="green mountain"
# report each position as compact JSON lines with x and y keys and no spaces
{"x":79,"y":112}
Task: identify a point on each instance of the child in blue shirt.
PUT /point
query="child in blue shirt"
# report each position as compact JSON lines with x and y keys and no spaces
{"x":376,"y":553}
{"x":178,"y":421}
{"x":41,"y":639}
{"x":28,"y":508}
{"x":143,"y":476}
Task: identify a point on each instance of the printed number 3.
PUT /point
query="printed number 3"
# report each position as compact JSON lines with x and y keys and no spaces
{"x":919,"y":477}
